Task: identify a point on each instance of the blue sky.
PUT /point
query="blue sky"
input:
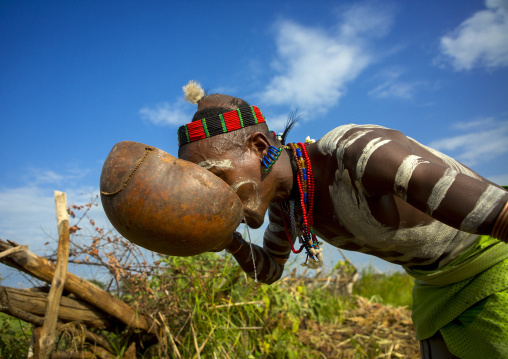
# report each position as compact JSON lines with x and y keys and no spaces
{"x":78,"y":77}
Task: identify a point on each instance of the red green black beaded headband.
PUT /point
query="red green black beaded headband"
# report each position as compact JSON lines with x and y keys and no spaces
{"x":217,"y":125}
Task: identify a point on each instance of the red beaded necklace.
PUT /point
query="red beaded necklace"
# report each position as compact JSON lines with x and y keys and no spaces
{"x":306,"y":189}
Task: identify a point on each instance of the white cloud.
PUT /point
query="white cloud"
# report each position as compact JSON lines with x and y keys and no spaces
{"x":178,"y":113}
{"x":23,"y":211}
{"x":392,"y":87}
{"x":481,"y":40}
{"x":49,"y":177}
{"x":480,"y":123}
{"x":314,"y":65}
{"x":278,"y":122}
{"x":366,"y":20}
{"x":488,"y":140}
{"x":27,"y":213}
{"x":404,"y":90}
{"x":27,"y":216}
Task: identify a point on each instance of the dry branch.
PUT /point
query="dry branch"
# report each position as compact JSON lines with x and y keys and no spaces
{"x":196,"y":345}
{"x":40,"y":268}
{"x":200,"y":349}
{"x":13,"y":250}
{"x":171,"y":338}
{"x":73,"y":355}
{"x":242,"y":328}
{"x":130,"y":353}
{"x":8,"y":308}
{"x":71,"y":310}
{"x":229,"y":305}
{"x":101,"y":353}
{"x":94,"y":353}
{"x":47,"y":340}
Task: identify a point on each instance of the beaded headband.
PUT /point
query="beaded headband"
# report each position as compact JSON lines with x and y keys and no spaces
{"x":219,"y":124}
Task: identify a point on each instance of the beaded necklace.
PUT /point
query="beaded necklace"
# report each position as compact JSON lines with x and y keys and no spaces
{"x":303,"y":227}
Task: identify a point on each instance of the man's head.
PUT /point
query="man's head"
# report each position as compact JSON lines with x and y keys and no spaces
{"x":236,"y":157}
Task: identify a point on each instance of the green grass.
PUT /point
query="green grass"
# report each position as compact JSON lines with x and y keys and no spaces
{"x":394,"y":288}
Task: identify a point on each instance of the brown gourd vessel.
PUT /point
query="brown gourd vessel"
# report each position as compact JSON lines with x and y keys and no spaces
{"x":165,"y":204}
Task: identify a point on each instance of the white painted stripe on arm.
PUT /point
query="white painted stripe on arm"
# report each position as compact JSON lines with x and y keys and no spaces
{"x":440,"y":189}
{"x":368,"y":150}
{"x":404,"y":174}
{"x":341,"y":149}
{"x":328,"y":143}
{"x":454,"y":164}
{"x":484,"y":206}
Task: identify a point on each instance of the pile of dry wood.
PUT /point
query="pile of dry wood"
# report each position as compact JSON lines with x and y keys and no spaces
{"x":82,"y":307}
{"x":371,"y":330}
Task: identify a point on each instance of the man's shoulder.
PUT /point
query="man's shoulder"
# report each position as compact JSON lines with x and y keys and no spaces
{"x":330,"y":141}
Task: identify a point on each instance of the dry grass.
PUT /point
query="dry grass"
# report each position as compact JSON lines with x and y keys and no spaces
{"x":370,"y":330}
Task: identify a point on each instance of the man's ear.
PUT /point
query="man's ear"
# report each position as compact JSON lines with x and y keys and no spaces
{"x":259,"y":143}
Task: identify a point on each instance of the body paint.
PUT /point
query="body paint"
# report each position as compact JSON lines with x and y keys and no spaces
{"x":450,"y":162}
{"x":484,"y":206}
{"x":252,"y":203}
{"x":341,"y":148}
{"x":352,"y":211}
{"x":220,"y":164}
{"x":328,"y":144}
{"x":440,"y":189}
{"x":368,"y":150}
{"x":404,"y":174}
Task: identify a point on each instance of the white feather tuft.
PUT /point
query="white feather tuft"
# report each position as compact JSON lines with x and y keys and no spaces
{"x":193,"y":92}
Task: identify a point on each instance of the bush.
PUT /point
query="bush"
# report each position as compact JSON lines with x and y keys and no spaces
{"x":14,"y":337}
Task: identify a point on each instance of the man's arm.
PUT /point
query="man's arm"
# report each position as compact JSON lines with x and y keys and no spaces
{"x":385,"y":161}
{"x":271,"y":258}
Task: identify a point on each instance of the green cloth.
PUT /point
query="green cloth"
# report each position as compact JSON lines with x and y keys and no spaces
{"x":466,"y":298}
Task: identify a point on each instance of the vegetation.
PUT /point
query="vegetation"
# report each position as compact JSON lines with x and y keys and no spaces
{"x":394,"y":288}
{"x":14,"y":337}
{"x":207,"y":308}
{"x":206,"y":303}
